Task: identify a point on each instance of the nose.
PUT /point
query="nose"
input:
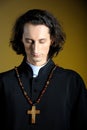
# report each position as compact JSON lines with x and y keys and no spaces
{"x":35,"y":47}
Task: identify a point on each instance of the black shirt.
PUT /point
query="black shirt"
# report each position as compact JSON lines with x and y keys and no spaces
{"x":62,"y":107}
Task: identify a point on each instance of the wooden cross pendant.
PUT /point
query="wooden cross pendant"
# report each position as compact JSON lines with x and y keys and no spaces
{"x":33,"y":113}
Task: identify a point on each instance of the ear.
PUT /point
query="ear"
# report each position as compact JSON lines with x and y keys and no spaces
{"x":52,"y":41}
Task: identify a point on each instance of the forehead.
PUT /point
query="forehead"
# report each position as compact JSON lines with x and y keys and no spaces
{"x":30,"y":28}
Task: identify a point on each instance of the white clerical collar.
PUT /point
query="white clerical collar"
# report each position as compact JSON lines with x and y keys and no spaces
{"x":35,"y":69}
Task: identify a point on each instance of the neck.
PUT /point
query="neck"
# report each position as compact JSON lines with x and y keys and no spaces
{"x":35,"y":68}
{"x":38,"y":64}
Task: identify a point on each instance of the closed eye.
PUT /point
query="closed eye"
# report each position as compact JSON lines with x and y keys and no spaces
{"x":42,"y":41}
{"x":30,"y":41}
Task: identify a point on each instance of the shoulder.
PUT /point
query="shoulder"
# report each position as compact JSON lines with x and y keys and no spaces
{"x":67,"y":72}
{"x":7,"y":73}
{"x":70,"y":75}
{"x":71,"y":79}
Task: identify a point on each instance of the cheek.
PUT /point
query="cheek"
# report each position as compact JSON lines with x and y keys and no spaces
{"x":45,"y":49}
{"x":27,"y":48}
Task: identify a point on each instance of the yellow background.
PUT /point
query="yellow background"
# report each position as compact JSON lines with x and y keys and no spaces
{"x":71,"y":14}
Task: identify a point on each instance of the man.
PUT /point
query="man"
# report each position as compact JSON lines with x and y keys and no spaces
{"x":38,"y":95}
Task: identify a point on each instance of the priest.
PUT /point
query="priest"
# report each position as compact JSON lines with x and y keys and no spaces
{"x":38,"y":94}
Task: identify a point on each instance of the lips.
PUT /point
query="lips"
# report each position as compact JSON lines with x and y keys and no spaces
{"x":35,"y":55}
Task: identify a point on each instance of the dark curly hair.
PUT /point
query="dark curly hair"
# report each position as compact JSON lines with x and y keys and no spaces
{"x":38,"y":17}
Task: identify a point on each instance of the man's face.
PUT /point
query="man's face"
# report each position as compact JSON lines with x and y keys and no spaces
{"x":36,"y":40}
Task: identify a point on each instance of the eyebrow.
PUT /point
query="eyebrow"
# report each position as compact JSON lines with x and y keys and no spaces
{"x":33,"y":39}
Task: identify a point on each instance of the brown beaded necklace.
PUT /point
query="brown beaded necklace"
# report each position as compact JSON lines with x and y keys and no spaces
{"x":33,"y":111}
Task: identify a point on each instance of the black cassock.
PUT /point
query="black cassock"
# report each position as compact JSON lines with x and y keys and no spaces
{"x":62,"y":107}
